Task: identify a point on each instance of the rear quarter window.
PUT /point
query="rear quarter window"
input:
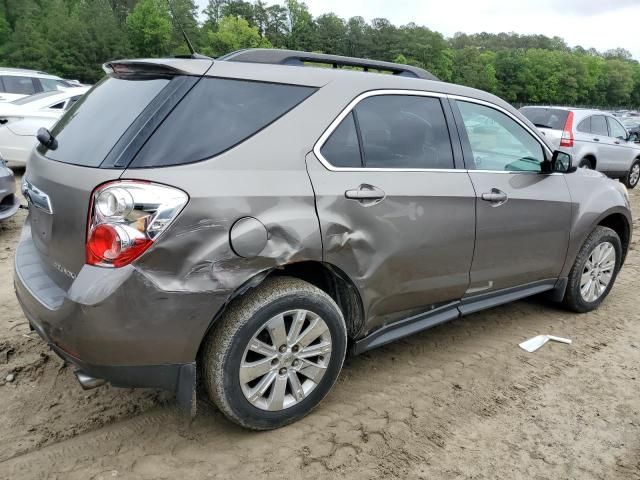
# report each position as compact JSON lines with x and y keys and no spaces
{"x":89,"y":130}
{"x":216,"y":115}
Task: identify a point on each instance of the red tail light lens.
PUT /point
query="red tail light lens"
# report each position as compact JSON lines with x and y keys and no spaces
{"x":126,"y":217}
{"x":567,"y":134}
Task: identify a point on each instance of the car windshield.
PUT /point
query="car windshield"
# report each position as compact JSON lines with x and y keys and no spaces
{"x":35,"y":97}
{"x":553,"y":118}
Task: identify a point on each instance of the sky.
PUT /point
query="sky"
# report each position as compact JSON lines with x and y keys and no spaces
{"x":602,"y":24}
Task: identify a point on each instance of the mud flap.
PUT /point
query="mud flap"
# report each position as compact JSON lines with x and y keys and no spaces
{"x":186,"y":389}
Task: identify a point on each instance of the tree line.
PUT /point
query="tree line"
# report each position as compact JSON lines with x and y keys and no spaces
{"x":72,"y":38}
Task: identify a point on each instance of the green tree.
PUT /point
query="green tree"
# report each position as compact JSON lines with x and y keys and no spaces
{"x":150,"y":28}
{"x":234,"y":33}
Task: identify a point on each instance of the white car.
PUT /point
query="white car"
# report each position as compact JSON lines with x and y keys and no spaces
{"x":17,"y":83}
{"x":21,"y":119}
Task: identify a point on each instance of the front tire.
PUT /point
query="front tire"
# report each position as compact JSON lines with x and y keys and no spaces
{"x":275,"y":353}
{"x":594,"y":271}
{"x":631,"y":180}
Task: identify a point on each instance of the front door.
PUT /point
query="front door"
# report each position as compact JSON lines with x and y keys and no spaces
{"x":523,"y":215}
{"x":395,"y":214}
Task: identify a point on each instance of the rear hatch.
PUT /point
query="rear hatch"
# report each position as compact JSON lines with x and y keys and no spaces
{"x":549,"y":121}
{"x":96,"y":139}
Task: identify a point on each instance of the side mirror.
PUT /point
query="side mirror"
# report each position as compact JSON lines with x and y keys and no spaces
{"x":562,"y":162}
{"x":633,"y":137}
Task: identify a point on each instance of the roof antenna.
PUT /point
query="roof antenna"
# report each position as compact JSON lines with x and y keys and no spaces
{"x":192,"y":50}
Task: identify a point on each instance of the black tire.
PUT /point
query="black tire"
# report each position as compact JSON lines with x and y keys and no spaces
{"x":573,"y":299}
{"x":632,"y":177}
{"x":586,"y":163}
{"x":225,"y":347}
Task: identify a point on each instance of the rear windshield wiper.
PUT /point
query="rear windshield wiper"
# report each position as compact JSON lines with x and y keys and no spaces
{"x":542,"y":125}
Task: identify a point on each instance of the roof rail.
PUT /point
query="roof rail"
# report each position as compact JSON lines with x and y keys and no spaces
{"x":299,"y":58}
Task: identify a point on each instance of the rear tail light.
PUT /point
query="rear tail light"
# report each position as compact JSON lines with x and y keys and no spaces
{"x":126,"y":217}
{"x":567,"y":134}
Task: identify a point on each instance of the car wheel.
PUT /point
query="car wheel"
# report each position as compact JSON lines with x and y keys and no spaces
{"x":275,"y":353}
{"x":585,"y":163}
{"x":594,"y":270}
{"x":631,"y":180}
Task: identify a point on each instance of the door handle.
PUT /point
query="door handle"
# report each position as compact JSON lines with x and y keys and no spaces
{"x":596,"y":139}
{"x":366,"y":194}
{"x":496,"y":197}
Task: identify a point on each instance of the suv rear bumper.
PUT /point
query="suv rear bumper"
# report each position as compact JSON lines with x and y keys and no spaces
{"x":116,"y":325}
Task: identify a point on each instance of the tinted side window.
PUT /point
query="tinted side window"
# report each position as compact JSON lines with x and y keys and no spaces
{"x":617,"y":131}
{"x":342,"y":149}
{"x":404,"y":131}
{"x":87,"y":133}
{"x":498,"y":142}
{"x":599,"y":125}
{"x":216,"y":115}
{"x":72,"y":101}
{"x":18,"y":85}
{"x":585,"y":125}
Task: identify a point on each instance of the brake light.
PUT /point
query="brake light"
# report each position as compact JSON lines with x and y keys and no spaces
{"x":567,"y":134}
{"x":126,"y":217}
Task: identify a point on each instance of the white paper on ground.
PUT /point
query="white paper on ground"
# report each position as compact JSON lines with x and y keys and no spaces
{"x":536,"y":342}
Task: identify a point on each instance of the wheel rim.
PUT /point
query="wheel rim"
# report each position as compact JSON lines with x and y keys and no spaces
{"x":285,"y":360}
{"x":585,"y":164}
{"x":598,"y":271}
{"x":635,"y":174}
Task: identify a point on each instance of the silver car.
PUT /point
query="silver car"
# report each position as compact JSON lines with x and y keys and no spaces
{"x":247,"y":221}
{"x":595,"y":139}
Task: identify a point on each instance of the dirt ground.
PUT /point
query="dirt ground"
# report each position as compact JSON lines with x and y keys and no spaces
{"x":458,"y":401}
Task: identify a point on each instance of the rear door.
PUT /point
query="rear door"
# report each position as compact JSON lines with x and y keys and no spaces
{"x":604,"y":147}
{"x":395,"y":214}
{"x":523,"y":215}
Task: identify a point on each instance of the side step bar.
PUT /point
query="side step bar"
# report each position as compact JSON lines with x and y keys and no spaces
{"x":453,"y":310}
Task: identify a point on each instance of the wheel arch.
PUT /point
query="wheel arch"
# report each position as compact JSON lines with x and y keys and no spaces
{"x":325,"y":276}
{"x":619,"y":223}
{"x":592,"y":159}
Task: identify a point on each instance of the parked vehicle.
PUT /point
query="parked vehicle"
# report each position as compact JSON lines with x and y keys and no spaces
{"x":597,"y":140}
{"x":246,"y":221}
{"x":632,"y":124}
{"x":16,"y":83}
{"x":9,"y":202}
{"x":21,"y":119}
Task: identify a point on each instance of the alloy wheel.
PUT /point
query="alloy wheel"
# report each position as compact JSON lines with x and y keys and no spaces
{"x":285,"y":360}
{"x":634,"y":175}
{"x":598,"y":271}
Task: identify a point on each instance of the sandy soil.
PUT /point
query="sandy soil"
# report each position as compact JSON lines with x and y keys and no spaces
{"x":459,"y":401}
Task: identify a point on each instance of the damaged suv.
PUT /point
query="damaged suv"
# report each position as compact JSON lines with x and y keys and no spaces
{"x":248,"y":221}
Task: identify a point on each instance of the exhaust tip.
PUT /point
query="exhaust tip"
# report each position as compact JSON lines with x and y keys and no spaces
{"x":87,"y":382}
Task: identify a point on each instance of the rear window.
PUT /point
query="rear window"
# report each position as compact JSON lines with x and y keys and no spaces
{"x":216,"y":115}
{"x":18,"y":85}
{"x":88,"y":131}
{"x":553,"y":118}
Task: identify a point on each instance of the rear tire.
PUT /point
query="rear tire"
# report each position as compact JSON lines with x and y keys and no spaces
{"x":631,"y":180}
{"x":594,"y":271}
{"x":275,"y":353}
{"x":586,"y":163}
